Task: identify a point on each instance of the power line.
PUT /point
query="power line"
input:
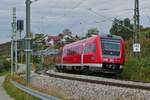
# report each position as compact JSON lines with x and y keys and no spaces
{"x":77,"y":5}
{"x":90,"y":9}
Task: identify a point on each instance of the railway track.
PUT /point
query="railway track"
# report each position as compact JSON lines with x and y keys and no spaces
{"x":99,"y":80}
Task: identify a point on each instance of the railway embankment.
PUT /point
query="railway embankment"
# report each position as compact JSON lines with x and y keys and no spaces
{"x":78,"y":90}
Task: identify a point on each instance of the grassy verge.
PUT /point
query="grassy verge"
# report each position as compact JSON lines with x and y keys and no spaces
{"x":3,"y":72}
{"x":134,"y":69}
{"x":50,"y":91}
{"x":4,"y":66}
{"x":20,"y":95}
{"x":14,"y":92}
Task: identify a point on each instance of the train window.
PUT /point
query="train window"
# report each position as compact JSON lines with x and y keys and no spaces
{"x":80,"y":50}
{"x":93,"y":48}
{"x":77,"y":50}
{"x":87,"y":49}
{"x":90,"y":48}
{"x":73,"y":51}
{"x":68,"y":52}
{"x":111,"y":47}
{"x":65,"y":52}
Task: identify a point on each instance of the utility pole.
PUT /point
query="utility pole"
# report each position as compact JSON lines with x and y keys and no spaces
{"x":14,"y":44}
{"x":136,"y":44}
{"x":28,"y":42}
{"x":12,"y":55}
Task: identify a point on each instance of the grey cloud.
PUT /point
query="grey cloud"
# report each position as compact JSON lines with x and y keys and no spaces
{"x":52,"y":16}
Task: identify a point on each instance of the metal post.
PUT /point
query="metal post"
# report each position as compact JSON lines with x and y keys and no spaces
{"x":12,"y":56}
{"x":14,"y":43}
{"x":20,"y":46}
{"x":12,"y":47}
{"x":136,"y":29}
{"x":21,"y":55}
{"x":28,"y":42}
{"x":16,"y":55}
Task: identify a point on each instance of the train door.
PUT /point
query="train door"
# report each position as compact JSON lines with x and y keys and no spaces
{"x":89,"y":53}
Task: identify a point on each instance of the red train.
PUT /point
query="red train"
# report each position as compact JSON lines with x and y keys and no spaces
{"x":104,"y":53}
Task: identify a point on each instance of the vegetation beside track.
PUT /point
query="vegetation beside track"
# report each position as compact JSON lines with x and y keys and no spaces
{"x":4,"y":58}
{"x":3,"y":72}
{"x":137,"y":69}
{"x":14,"y":92}
{"x":20,"y":95}
{"x":4,"y":67}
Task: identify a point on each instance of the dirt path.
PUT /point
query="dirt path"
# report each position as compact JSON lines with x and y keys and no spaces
{"x":3,"y":94}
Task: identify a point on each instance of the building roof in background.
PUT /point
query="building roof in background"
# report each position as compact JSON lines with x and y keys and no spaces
{"x":54,"y":38}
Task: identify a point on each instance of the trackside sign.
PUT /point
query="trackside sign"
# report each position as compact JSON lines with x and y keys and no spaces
{"x":136,"y":47}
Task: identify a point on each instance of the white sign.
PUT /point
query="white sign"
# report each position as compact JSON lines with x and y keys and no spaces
{"x":136,"y":47}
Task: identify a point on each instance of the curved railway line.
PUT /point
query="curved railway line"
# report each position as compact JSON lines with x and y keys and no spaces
{"x":99,"y":80}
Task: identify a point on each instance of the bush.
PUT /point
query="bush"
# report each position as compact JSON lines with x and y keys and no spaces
{"x":49,"y":66}
{"x":39,"y":68}
{"x":36,"y":59}
{"x":137,"y":70}
{"x":4,"y":66}
{"x":7,"y":65}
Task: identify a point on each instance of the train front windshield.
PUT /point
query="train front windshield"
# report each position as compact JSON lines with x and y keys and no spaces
{"x":111,"y":47}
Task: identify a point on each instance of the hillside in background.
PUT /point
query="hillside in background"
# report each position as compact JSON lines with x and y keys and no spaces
{"x":4,"y":54}
{"x":5,"y":50}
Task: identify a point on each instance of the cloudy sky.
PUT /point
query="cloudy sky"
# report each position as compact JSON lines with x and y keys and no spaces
{"x":52,"y":16}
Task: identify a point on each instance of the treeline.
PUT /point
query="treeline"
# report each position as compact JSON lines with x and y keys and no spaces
{"x":4,"y":65}
{"x":4,"y":57}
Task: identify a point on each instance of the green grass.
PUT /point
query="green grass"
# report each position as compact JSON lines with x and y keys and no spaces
{"x":134,"y":69}
{"x":14,"y":92}
{"x":137,"y":70}
{"x":3,"y":72}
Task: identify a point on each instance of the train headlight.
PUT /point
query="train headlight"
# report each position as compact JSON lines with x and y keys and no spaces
{"x":121,"y":66}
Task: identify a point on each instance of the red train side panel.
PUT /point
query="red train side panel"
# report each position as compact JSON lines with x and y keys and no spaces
{"x":97,"y":53}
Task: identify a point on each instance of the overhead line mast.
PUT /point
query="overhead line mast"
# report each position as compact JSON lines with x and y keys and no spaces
{"x":14,"y":44}
{"x":136,"y":36}
{"x":28,"y":49}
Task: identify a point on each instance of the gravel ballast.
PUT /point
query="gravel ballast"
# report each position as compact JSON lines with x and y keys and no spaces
{"x":88,"y":91}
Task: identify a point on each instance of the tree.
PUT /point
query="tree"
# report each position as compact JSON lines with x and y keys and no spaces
{"x":58,"y":44}
{"x":92,"y":31}
{"x":67,"y":32}
{"x":119,"y":29}
{"x":77,"y":37}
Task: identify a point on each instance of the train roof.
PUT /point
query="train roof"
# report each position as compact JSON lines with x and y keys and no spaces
{"x":107,"y":36}
{"x":110,"y":36}
{"x":81,"y":41}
